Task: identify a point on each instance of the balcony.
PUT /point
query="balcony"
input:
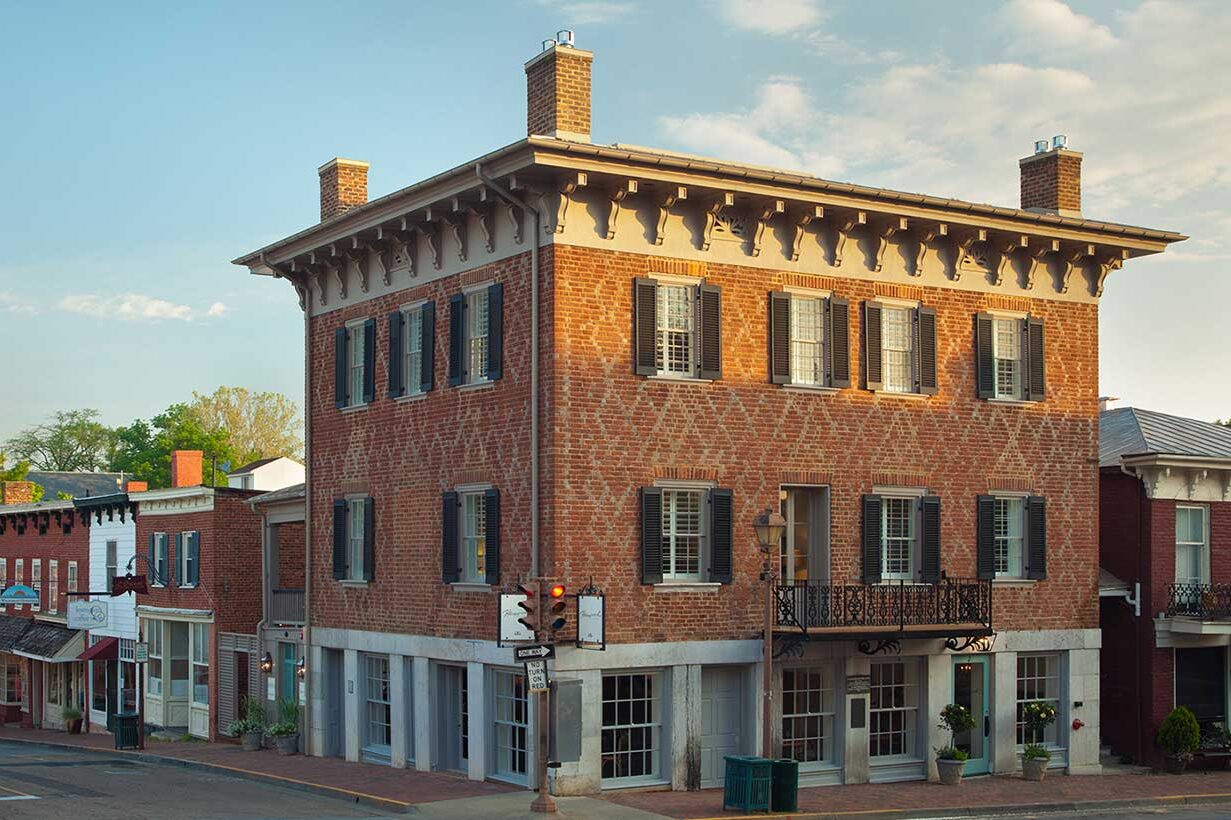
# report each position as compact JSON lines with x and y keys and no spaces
{"x":1200,"y":608}
{"x":952,"y":608}
{"x":286,"y":606}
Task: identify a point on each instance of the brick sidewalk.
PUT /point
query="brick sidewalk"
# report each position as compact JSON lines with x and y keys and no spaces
{"x":378,"y":785}
{"x":974,"y":793}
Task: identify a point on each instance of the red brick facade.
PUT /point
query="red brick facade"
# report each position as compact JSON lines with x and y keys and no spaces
{"x":1052,"y":181}
{"x":344,"y":185}
{"x":52,"y":544}
{"x":290,"y":555}
{"x":558,"y":92}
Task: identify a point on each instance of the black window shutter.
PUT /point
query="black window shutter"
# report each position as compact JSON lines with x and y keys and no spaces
{"x":779,"y":338}
{"x":985,"y":537}
{"x":1035,"y":373}
{"x":369,"y":361}
{"x":396,"y":376}
{"x":369,"y":538}
{"x":1036,"y":535}
{"x":491,"y":559}
{"x":428,"y":347}
{"x":928,"y":382}
{"x":457,"y":307}
{"x":721,"y":514}
{"x":495,"y":331}
{"x":985,"y":365}
{"x":709,"y":298}
{"x":873,"y":377}
{"x":838,"y":341}
{"x":339,"y":538}
{"x":871,"y":539}
{"x":450,"y":566}
{"x":340,"y":380}
{"x":930,"y":506}
{"x":651,"y":535}
{"x":194,"y":557}
{"x":645,"y":326}
{"x":153,"y":561}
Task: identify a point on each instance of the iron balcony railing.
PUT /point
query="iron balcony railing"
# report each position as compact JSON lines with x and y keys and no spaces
{"x":1207,"y":602}
{"x":900,"y":604}
{"x":286,"y":606}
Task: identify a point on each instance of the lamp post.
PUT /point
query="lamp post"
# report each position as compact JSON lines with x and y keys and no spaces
{"x":769,"y":527}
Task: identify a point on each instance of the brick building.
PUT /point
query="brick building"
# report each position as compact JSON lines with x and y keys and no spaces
{"x":1164,"y":511}
{"x":600,"y":362}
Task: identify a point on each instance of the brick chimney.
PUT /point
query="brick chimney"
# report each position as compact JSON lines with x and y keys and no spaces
{"x":1051,"y":179}
{"x":136,"y":486}
{"x":16,"y":492}
{"x":186,"y":468}
{"x":558,"y":90}
{"x":344,"y":185}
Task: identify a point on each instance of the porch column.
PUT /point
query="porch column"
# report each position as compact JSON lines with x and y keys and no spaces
{"x":1004,"y":721}
{"x":350,"y":668}
{"x":399,"y":710}
{"x":421,"y":702}
{"x":857,"y":769}
{"x":477,"y":723}
{"x":685,"y":727}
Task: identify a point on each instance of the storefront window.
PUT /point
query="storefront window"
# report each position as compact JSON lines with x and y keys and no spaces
{"x":13,"y":687}
{"x":153,"y":633}
{"x":512,"y":724}
{"x":893,"y":710}
{"x":200,"y":663}
{"x":179,"y":658}
{"x":379,"y":717}
{"x":55,"y":684}
{"x":632,"y":722}
{"x":98,"y":685}
{"x":808,"y":714}
{"x":1038,"y":681}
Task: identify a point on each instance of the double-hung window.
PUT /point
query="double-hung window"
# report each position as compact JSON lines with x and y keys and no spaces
{"x":674,"y":346}
{"x":1038,"y":681}
{"x":899,"y":538}
{"x":200,"y":663}
{"x":471,"y":535}
{"x":512,"y":724}
{"x":1009,"y":357}
{"x":1191,"y":546}
{"x":897,"y":350}
{"x":112,"y":561}
{"x":354,"y":552}
{"x":355,"y":538}
{"x":1009,"y":520}
{"x":899,"y":347}
{"x":188,"y":553}
{"x":807,"y":340}
{"x":412,"y":337}
{"x":53,"y":586}
{"x":160,"y":564}
{"x":412,"y":331}
{"x":893,"y":709}
{"x":632,"y":728}
{"x":377,"y":701}
{"x":476,"y":335}
{"x":153,"y":634}
{"x":12,"y":680}
{"x":19,"y":574}
{"x":36,"y":582}
{"x":1007,"y":351}
{"x":474,"y":537}
{"x":808,"y":711}
{"x":356,"y":361}
{"x":683,"y":525}
{"x":678,"y":329}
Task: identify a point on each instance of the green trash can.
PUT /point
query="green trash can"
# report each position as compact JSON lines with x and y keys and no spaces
{"x":746,"y":783}
{"x":126,"y":730}
{"x":786,"y":785}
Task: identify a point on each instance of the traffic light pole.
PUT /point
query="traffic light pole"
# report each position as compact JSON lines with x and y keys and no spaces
{"x":543,"y":803}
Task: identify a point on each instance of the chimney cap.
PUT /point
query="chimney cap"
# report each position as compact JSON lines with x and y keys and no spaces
{"x":354,"y":163}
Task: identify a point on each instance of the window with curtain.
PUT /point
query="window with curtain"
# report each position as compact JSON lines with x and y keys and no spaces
{"x":683,"y":534}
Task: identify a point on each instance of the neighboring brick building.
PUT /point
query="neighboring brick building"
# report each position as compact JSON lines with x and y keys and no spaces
{"x":911,"y":380}
{"x":1165,"y":550}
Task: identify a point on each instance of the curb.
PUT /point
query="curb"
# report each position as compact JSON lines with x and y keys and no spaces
{"x":336,"y":792}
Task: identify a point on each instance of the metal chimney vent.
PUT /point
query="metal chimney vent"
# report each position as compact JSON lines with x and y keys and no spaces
{"x":566,"y":37}
{"x":1040,"y":146}
{"x":549,"y":44}
{"x":1060,"y":141}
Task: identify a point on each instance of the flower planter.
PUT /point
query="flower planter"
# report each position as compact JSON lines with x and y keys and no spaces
{"x":950,"y":771}
{"x":1033,"y":768}
{"x":74,"y":726}
{"x":288,"y":745}
{"x":1174,"y":764}
{"x":252,"y":741}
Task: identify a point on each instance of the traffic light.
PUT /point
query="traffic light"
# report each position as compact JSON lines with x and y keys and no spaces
{"x":530,"y":620}
{"x":555,"y":607}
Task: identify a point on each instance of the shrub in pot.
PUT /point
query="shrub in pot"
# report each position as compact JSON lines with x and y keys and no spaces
{"x":1037,"y":716}
{"x":950,"y":760}
{"x":251,"y":727}
{"x":72,"y":720}
{"x":285,"y":732}
{"x":1180,"y":735}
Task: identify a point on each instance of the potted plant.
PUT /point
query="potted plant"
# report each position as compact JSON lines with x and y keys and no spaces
{"x":251,"y":727}
{"x":1180,"y":735}
{"x":72,"y":720}
{"x":950,"y":760}
{"x":286,"y":731}
{"x":1037,"y":716}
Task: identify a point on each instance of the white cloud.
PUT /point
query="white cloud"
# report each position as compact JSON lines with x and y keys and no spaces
{"x":772,"y":16}
{"x":589,"y":12}
{"x":12,"y":303}
{"x":1051,"y":27}
{"x":134,"y":307}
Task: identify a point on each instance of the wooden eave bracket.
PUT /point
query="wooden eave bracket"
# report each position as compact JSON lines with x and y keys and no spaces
{"x":801,"y":220}
{"x":1072,"y":259}
{"x":617,"y":197}
{"x":962,"y":243}
{"x":764,"y":215}
{"x":844,"y":226}
{"x":666,"y":202}
{"x":1106,"y":264}
{"x":883,"y":234}
{"x":430,"y":235}
{"x":724,"y":200}
{"x":1006,"y":247}
{"x":924,"y":236}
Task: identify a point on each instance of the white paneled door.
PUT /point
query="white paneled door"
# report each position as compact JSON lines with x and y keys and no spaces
{"x":721,"y":720}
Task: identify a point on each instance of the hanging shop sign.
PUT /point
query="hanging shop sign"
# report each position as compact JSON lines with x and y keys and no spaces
{"x":511,"y":629}
{"x":19,"y":595}
{"x":591,"y":620}
{"x":87,"y":614}
{"x":129,"y":583}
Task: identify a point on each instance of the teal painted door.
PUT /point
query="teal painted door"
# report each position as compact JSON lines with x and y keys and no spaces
{"x":286,"y":667}
{"x":971,"y":689}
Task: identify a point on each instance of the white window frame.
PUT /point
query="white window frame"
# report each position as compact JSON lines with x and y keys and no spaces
{"x":355,"y":370}
{"x":1018,"y":390}
{"x":810,"y":721}
{"x":624,"y":729}
{"x":693,"y":286}
{"x":153,"y":636}
{"x":19,"y":576}
{"x":111,"y":561}
{"x":911,"y":309}
{"x":162,"y":562}
{"x":476,"y":339}
{"x":670,"y":531}
{"x":1015,"y":565}
{"x":915,"y":541}
{"x":380,"y":748}
{"x":821,"y":298}
{"x":907,"y":725}
{"x":8,"y":663}
{"x":1029,"y":684}
{"x":412,"y":346}
{"x":356,"y":520}
{"x":73,"y":576}
{"x":198,"y":656}
{"x":53,"y":586}
{"x":36,"y":582}
{"x":511,"y":726}
{"x":472,"y":533}
{"x":1203,"y":546}
{"x":4,"y":582}
{"x":181,"y":557}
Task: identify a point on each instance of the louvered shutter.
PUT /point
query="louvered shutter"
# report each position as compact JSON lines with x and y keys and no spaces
{"x":873,"y":371}
{"x":651,"y":535}
{"x":720,"y":536}
{"x":926,"y":338}
{"x":779,"y":338}
{"x":450,"y":566}
{"x":709,"y":301}
{"x":397,"y":386}
{"x":1036,"y":536}
{"x":194,"y":558}
{"x":339,"y":538}
{"x":491,"y":559}
{"x":1035,"y":372}
{"x":838,"y":341}
{"x":369,"y":538}
{"x":985,"y":537}
{"x":930,"y":507}
{"x":152,"y":560}
{"x":495,"y":331}
{"x":340,"y":381}
{"x":645,"y":326}
{"x":457,"y":309}
{"x":871,"y":539}
{"x":985,"y":364}
{"x":428,"y":347}
{"x":369,"y":361}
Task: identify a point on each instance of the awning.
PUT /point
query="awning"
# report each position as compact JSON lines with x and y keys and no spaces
{"x":50,"y":643}
{"x":108,"y":649}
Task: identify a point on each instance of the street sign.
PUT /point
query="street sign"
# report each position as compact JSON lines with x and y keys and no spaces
{"x":511,"y":629}
{"x":536,"y":676}
{"x":87,"y":614}
{"x":536,"y":652}
{"x":591,"y":621}
{"x":141,"y":652}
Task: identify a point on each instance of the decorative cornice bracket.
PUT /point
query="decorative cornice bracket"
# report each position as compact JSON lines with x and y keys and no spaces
{"x":844,"y":227}
{"x":724,"y":200}
{"x":665,"y":203}
{"x":883,"y":235}
{"x":802,"y":219}
{"x":617,"y":197}
{"x":763,"y":216}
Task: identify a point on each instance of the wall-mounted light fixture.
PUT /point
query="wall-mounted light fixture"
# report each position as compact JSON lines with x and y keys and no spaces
{"x":267,"y":663}
{"x":301,"y":669}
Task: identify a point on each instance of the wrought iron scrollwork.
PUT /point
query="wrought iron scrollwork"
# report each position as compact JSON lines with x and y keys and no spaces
{"x":979,"y":643}
{"x":790,"y":645}
{"x":883,"y":645}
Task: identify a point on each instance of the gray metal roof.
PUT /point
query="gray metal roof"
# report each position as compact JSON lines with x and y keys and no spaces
{"x":11,"y":629}
{"x":285,"y":494}
{"x":76,"y":484}
{"x":1131,"y":431}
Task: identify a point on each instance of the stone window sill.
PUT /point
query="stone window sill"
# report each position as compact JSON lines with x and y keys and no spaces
{"x":409,"y":397}
{"x":811,"y":388}
{"x":1014,"y":582}
{"x":665,"y":377}
{"x":355,"y":408}
{"x":1012,"y":402}
{"x":353,"y":584}
{"x":470,"y":586}
{"x":687,"y":586}
{"x":895,"y":394}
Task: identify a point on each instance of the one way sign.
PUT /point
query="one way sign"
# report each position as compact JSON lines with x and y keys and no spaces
{"x":534,"y":653}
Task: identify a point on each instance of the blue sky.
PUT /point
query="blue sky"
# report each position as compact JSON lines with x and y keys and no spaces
{"x":146,"y":145}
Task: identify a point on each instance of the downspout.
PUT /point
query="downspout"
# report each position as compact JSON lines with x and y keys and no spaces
{"x":307,"y":516}
{"x":508,"y":197}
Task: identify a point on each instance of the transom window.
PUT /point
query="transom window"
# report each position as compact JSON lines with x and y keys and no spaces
{"x":632,"y":725}
{"x":807,"y":340}
{"x":1007,"y":520}
{"x":683,"y":534}
{"x":474,"y":537}
{"x":379,"y":712}
{"x":355,"y":347}
{"x":897,"y":347}
{"x":893,"y":707}
{"x":676,"y":328}
{"x":808,"y":709}
{"x":477,"y":335}
{"x":1007,"y":352}
{"x":1190,"y":546}
{"x":898,"y":538}
{"x":355,"y":520}
{"x":512,"y":725}
{"x":412,"y":361}
{"x":1038,"y":680}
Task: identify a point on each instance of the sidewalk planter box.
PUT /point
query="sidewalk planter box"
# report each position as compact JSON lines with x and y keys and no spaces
{"x":785,"y":789}
{"x":253,"y":740}
{"x":287,"y":745}
{"x":1034,"y":767}
{"x":127,"y":733}
{"x":747,"y":783}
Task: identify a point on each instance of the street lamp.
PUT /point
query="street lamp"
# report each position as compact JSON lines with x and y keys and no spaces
{"x":769,"y":527}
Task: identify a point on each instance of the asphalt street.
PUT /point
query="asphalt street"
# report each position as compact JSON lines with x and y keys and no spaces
{"x":1211,"y":812}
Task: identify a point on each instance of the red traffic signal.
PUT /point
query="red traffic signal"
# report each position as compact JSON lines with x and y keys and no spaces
{"x":555,"y":610}
{"x":530,"y":620}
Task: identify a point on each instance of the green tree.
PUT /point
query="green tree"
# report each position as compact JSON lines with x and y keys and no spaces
{"x":74,"y":440}
{"x":143,"y":448}
{"x":19,"y":472}
{"x":257,"y":425}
